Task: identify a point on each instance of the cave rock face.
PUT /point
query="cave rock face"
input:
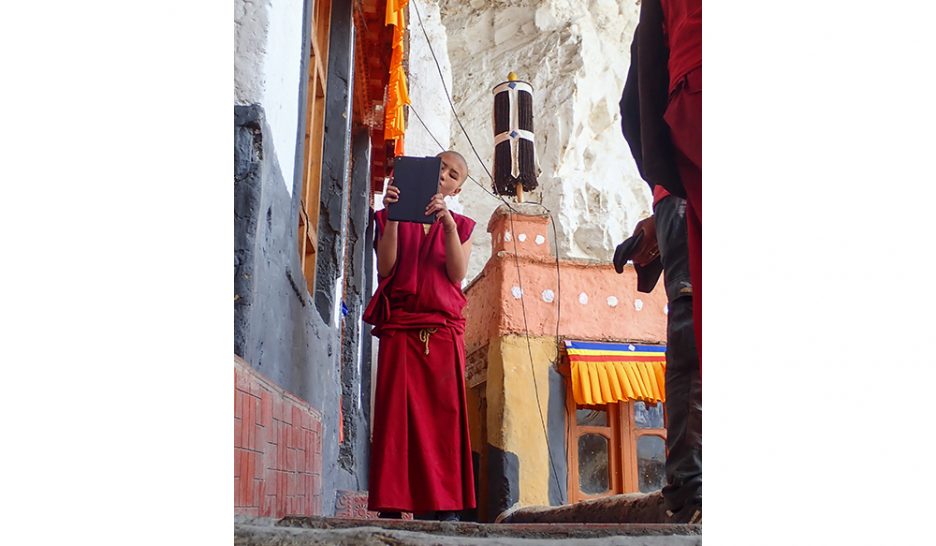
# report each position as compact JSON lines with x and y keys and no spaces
{"x":575,"y":53}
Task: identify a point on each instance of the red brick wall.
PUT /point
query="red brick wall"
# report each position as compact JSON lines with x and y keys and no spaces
{"x":277,"y":449}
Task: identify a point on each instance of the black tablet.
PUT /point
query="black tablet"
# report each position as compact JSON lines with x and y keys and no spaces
{"x":418,"y":180}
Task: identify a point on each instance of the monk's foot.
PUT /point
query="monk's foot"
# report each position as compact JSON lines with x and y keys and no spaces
{"x":390,"y":515}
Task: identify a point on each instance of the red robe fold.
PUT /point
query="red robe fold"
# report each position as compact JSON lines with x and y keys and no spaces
{"x":420,"y":451}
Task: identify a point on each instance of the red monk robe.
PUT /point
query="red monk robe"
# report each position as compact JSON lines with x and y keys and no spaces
{"x":420,"y":452}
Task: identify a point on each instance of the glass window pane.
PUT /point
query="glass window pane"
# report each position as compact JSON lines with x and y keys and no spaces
{"x":648,"y":416}
{"x":594,"y":476}
{"x":591,"y":417}
{"x":651,"y":456}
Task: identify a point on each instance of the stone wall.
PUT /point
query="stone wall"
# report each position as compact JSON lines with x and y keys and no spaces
{"x":280,"y":330}
{"x":277,"y":329}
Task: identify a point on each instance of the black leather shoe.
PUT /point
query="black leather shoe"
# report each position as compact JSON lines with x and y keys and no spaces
{"x":448,"y":515}
{"x":390,"y":515}
{"x":691,"y":513}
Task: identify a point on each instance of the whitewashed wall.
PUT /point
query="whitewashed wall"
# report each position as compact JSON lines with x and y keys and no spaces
{"x":425,"y":85}
{"x":267,"y":69}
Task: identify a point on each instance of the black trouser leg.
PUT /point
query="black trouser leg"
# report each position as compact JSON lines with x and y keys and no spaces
{"x":448,"y":515}
{"x":683,"y":378}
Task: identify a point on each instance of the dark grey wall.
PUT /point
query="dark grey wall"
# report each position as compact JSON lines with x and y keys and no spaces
{"x":367,"y":341}
{"x":274,"y":330}
{"x":472,"y":514}
{"x":276,"y":327}
{"x":503,"y":480}
{"x":355,"y":348}
{"x":557,"y":439}
{"x":338,"y":256}
{"x":336,"y":149}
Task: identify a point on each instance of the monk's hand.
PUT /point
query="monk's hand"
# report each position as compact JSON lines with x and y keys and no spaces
{"x":438,"y":207}
{"x":392,"y":195}
{"x":649,"y":249}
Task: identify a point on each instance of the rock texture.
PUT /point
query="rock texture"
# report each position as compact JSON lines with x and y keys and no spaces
{"x":575,"y":54}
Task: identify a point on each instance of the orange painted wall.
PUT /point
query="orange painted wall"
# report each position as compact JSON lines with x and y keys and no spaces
{"x":597,"y":303}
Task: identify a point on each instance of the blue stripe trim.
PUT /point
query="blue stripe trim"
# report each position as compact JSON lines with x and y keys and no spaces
{"x":614,"y":347}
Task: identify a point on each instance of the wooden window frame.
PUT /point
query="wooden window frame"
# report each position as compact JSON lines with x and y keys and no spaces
{"x":310,"y":194}
{"x":576,"y":431}
{"x":622,"y":433}
{"x":634,"y":433}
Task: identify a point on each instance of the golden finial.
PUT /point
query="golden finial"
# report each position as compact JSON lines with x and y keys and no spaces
{"x":512,"y":76}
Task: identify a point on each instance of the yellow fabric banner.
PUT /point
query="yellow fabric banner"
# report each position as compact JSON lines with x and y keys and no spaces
{"x":597,"y":383}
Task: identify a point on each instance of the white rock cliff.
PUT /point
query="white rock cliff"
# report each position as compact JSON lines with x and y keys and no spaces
{"x":575,"y":54}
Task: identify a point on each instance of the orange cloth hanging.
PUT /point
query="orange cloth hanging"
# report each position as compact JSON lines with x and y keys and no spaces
{"x":397,"y":93}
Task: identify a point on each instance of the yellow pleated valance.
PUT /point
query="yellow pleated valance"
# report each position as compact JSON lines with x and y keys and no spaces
{"x":605,"y":373}
{"x":397,"y":93}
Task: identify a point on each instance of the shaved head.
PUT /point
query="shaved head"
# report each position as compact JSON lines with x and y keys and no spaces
{"x":456,"y":160}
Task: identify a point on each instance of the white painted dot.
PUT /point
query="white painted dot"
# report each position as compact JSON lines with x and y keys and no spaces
{"x":548,"y":295}
{"x":583,"y":298}
{"x":638,"y":304}
{"x":666,"y":309}
{"x":540,"y":239}
{"x":516,"y":292}
{"x":612,"y":301}
{"x":521,"y":237}
{"x":631,"y":347}
{"x":506,"y":235}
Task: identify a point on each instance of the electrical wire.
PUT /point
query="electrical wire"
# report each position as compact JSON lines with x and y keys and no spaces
{"x":511,"y":210}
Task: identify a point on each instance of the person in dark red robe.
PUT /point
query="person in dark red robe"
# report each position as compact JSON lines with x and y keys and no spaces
{"x":661,"y":116}
{"x":682,"y":26}
{"x":420,"y":451}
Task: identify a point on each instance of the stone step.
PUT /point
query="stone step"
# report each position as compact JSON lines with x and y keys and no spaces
{"x":303,"y":531}
{"x":632,"y":508}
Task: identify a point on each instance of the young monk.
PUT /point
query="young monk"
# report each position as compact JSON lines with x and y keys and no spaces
{"x":420,"y":452}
